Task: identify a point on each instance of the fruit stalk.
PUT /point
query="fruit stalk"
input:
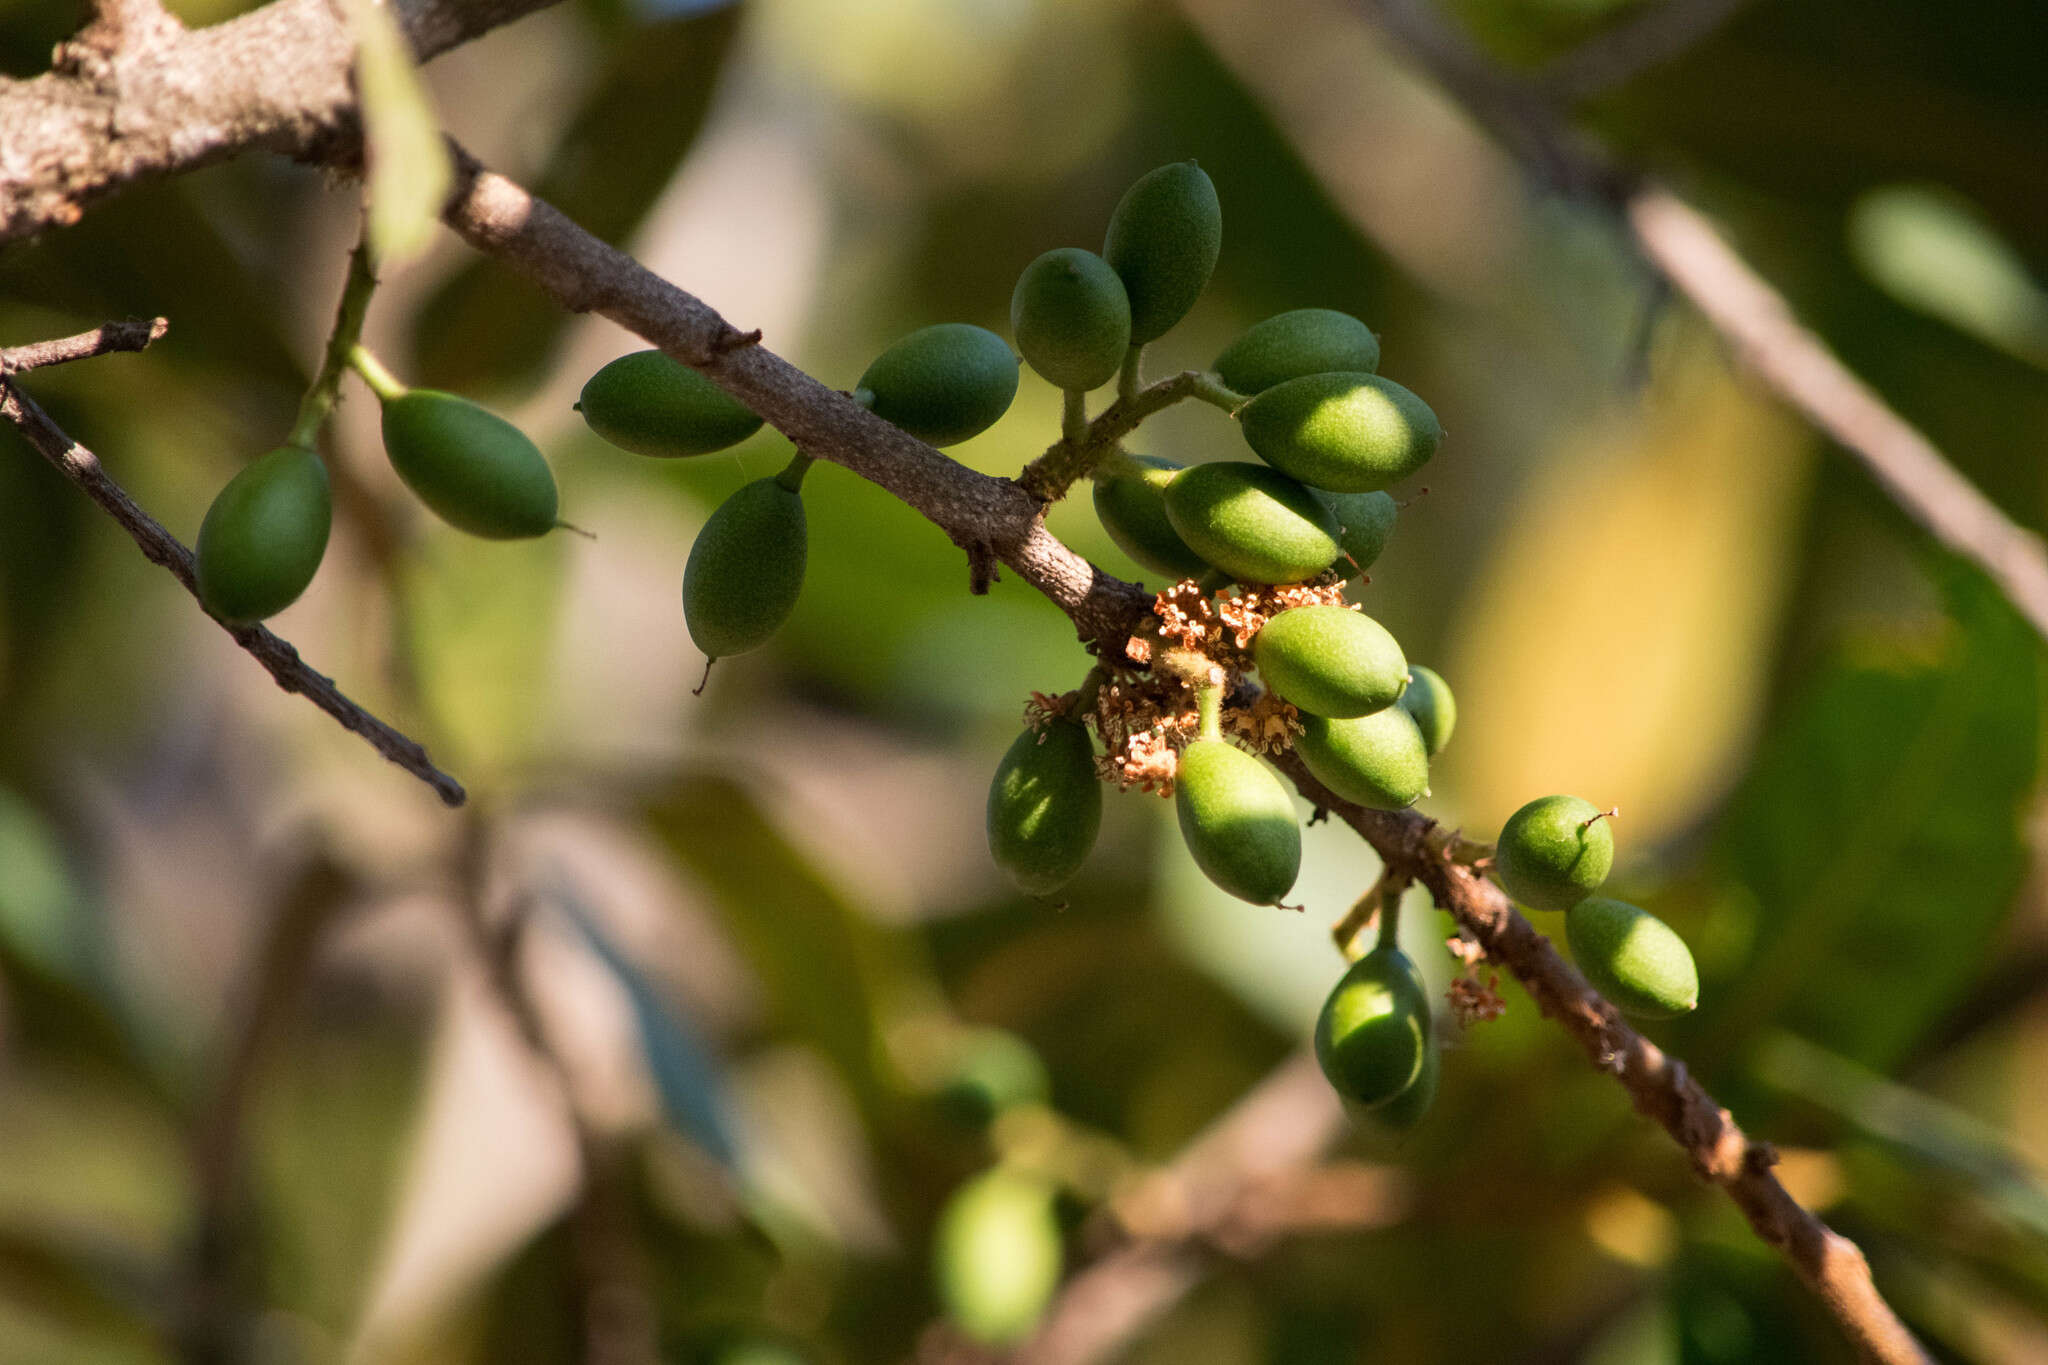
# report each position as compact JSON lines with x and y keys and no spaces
{"x":386,"y":385}
{"x":325,"y":389}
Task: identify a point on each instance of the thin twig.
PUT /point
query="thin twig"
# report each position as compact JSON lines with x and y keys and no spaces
{"x":131,"y":335}
{"x":279,"y":657}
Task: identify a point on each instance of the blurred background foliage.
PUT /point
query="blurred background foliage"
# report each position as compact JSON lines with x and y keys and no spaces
{"x":255,"y":1100}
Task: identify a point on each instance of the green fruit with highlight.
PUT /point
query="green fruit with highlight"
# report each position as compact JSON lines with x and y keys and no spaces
{"x":1554,"y":852}
{"x":653,"y":405}
{"x":944,"y":383}
{"x":1072,"y":318}
{"x":1238,"y":821}
{"x":1289,"y":345}
{"x":1373,"y":1033}
{"x":1045,"y":806}
{"x":474,"y":469}
{"x":1407,"y":1109}
{"x":1633,"y":958}
{"x":1163,"y":241}
{"x":997,"y":1254}
{"x":264,"y":536}
{"x":1348,"y":433}
{"x":1376,"y":760}
{"x":1330,"y":661}
{"x":1428,"y":698}
{"x":1365,"y":522}
{"x":746,"y":569}
{"x":1130,"y":502}
{"x":1254,"y":523}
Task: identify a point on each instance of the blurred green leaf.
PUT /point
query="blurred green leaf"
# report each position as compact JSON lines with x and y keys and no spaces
{"x":409,"y":166}
{"x":829,"y":970}
{"x":684,"y":1073}
{"x":486,"y":325}
{"x":1880,"y":834}
{"x":1931,"y":249}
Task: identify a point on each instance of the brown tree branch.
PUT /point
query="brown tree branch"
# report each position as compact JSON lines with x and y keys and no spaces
{"x":1688,"y":252}
{"x":136,"y":96}
{"x":279,"y":657}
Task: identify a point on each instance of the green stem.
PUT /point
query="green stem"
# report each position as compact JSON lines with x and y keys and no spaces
{"x":1074,"y":417}
{"x":1209,"y":705}
{"x":1091,"y":687}
{"x":1128,"y":381}
{"x":792,"y":475}
{"x":1390,"y":917}
{"x":385,"y":383}
{"x":348,"y":330}
{"x":1212,"y":390}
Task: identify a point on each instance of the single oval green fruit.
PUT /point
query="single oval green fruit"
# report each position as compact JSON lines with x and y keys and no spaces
{"x":652,"y":405}
{"x":1254,"y":523}
{"x":944,"y":383}
{"x":1330,"y":661}
{"x":1072,"y":318}
{"x":1365,"y":522}
{"x":1289,"y":345}
{"x":1348,"y":433}
{"x":264,"y":536}
{"x":1163,"y":240}
{"x":1373,"y":1033}
{"x":992,"y":1070}
{"x":1376,"y":760}
{"x":996,"y":1255}
{"x":1238,"y":821}
{"x":1428,"y":698}
{"x":1130,"y":502}
{"x":1554,"y":852}
{"x":746,"y":569}
{"x":471,"y":467}
{"x":1633,"y":958}
{"x":1045,"y":806}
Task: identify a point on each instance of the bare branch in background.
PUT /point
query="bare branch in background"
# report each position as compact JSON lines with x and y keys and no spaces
{"x":115,"y":336}
{"x":1617,"y":55}
{"x":278,"y":656}
{"x":1687,"y":250}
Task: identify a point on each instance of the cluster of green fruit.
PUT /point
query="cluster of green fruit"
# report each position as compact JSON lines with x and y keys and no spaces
{"x":942,"y":384}
{"x":266,"y":532}
{"x":1553,"y":854}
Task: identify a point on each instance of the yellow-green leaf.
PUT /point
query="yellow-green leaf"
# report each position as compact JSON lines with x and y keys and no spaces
{"x":407,"y":158}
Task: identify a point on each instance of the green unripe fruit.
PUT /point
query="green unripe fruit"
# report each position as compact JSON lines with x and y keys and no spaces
{"x":993,"y":1070}
{"x":746,"y":569}
{"x":1130,"y":502}
{"x":1428,"y":698}
{"x":943,"y":384}
{"x":1373,"y":1032}
{"x":1238,"y":821}
{"x":1554,"y":852}
{"x":1633,"y":958}
{"x":1163,"y":241}
{"x":1365,"y":522}
{"x":1045,"y":806}
{"x":1407,"y":1109}
{"x":1330,"y":661}
{"x":1376,"y":760}
{"x":474,"y":469}
{"x":1072,"y":318}
{"x":1348,"y":433}
{"x":1289,"y":345}
{"x":264,"y":535}
{"x":1254,"y":523}
{"x":996,"y":1255}
{"x":652,"y":405}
